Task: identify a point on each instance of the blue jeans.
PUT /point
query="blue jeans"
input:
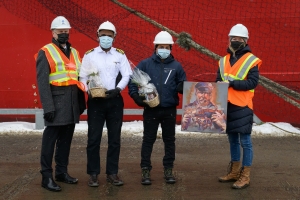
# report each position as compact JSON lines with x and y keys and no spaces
{"x":235,"y":140}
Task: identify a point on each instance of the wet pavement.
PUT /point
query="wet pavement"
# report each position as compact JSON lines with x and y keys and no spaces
{"x":199,"y":161}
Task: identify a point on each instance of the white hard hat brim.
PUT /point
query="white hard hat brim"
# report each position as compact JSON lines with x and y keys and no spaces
{"x":238,"y":35}
{"x":163,"y":42}
{"x":67,"y":27}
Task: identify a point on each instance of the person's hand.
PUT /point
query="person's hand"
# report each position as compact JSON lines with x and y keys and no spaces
{"x":219,"y":119}
{"x":186,"y":119}
{"x":227,"y":81}
{"x":81,"y":101}
{"x":112,"y":93}
{"x":139,"y":100}
{"x":180,"y":88}
{"x":49,"y":116}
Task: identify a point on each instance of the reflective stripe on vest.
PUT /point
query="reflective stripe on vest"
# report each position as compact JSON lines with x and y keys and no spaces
{"x":62,"y":69}
{"x":76,"y":58}
{"x":62,"y":77}
{"x":55,"y":54}
{"x":247,"y":64}
{"x":238,"y":71}
{"x":243,"y":70}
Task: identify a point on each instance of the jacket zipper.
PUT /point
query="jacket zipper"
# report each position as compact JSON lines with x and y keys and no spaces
{"x":161,"y":76}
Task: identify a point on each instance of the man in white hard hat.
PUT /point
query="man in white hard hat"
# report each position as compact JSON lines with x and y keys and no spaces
{"x":241,"y":69}
{"x":168,"y":76}
{"x":109,"y":62}
{"x":62,"y":97}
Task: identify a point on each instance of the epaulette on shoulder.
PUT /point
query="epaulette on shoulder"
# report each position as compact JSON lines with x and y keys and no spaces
{"x":120,"y":51}
{"x":89,"y":51}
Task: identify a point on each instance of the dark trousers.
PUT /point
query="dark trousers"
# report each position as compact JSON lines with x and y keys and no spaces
{"x":61,"y":136}
{"x":99,"y":111}
{"x":152,"y":118}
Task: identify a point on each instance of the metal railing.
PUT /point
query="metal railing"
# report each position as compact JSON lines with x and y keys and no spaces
{"x":39,"y":120}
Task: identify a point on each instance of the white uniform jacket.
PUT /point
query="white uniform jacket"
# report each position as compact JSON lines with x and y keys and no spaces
{"x":108,"y":65}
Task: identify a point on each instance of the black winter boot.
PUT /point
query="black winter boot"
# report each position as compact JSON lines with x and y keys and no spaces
{"x":169,"y":177}
{"x":145,"y":176}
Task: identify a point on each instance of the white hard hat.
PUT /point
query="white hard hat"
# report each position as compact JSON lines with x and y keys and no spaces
{"x":163,"y":37}
{"x":239,"y":30}
{"x":60,"y":22}
{"x":107,"y":26}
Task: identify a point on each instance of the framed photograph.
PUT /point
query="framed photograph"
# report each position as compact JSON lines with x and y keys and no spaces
{"x":204,"y":107}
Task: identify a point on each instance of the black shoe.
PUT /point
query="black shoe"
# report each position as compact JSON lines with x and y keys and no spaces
{"x":93,"y":181}
{"x":66,"y":178}
{"x":145,"y":176}
{"x":169,"y":177}
{"x":49,"y":184}
{"x":114,"y":179}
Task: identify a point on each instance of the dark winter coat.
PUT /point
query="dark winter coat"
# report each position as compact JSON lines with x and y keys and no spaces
{"x":240,"y":119}
{"x":68,"y":102}
{"x":165,"y":76}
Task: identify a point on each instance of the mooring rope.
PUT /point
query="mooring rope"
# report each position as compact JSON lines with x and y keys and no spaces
{"x":185,"y":41}
{"x":279,"y":94}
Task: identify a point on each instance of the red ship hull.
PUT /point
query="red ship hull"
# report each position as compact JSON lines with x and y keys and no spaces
{"x":274,"y":37}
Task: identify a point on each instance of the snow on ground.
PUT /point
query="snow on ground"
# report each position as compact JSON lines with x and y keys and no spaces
{"x":136,"y":128}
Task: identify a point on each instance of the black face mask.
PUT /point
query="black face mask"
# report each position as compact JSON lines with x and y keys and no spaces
{"x":63,"y":38}
{"x":236,"y":45}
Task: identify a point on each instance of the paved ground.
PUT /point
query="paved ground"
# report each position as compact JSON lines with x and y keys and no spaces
{"x":199,"y":161}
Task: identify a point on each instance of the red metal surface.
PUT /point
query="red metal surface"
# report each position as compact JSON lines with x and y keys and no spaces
{"x":21,"y":39}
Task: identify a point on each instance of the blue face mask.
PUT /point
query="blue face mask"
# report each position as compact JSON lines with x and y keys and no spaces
{"x":105,"y":42}
{"x":163,"y":53}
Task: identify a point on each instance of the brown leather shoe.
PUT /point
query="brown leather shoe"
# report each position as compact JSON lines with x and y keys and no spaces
{"x":233,"y":172}
{"x":93,"y":181}
{"x":114,"y":179}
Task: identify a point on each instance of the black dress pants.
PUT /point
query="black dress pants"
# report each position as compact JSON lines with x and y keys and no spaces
{"x":61,"y":137}
{"x":99,"y":111}
{"x":152,"y":118}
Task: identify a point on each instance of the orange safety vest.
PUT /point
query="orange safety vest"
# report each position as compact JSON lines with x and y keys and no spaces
{"x":63,"y":71}
{"x":239,"y":71}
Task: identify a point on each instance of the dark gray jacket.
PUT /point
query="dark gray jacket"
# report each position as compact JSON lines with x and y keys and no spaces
{"x":67,"y":101}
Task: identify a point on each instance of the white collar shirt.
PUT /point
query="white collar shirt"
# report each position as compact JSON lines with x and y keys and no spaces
{"x":108,"y":65}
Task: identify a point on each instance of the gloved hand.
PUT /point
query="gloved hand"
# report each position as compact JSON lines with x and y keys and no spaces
{"x":81,"y":101}
{"x":180,"y":87}
{"x":230,"y":83}
{"x":112,"y":93}
{"x":49,"y":116}
{"x":139,"y":100}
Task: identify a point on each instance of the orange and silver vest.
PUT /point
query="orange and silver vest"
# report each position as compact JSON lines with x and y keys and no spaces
{"x":63,"y":71}
{"x":239,"y":71}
